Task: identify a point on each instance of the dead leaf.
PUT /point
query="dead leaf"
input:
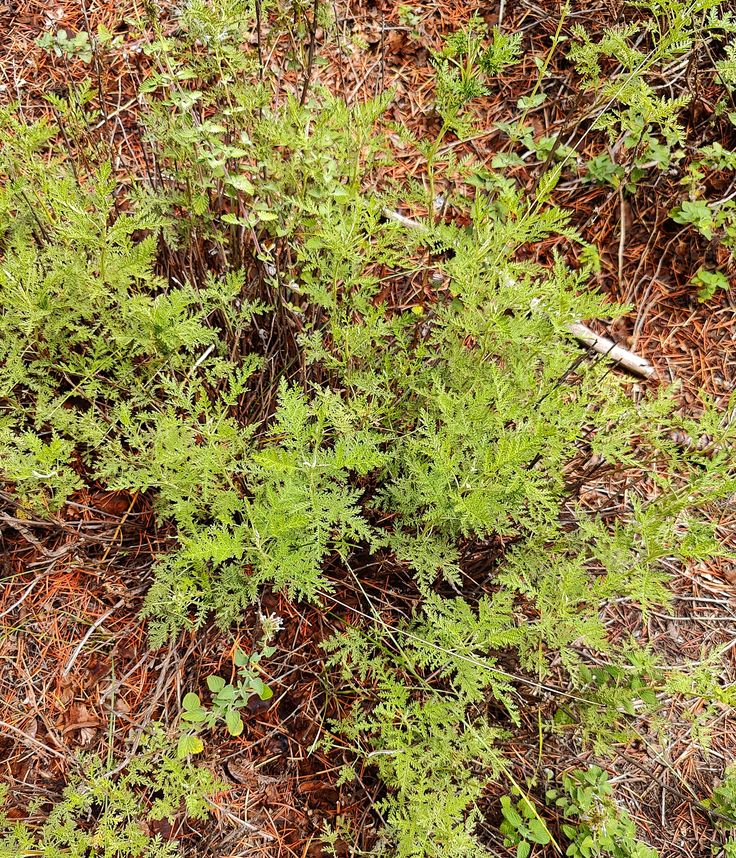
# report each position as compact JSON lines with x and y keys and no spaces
{"x":78,"y":717}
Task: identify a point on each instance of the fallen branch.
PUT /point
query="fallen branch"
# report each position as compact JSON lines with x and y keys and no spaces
{"x":629,"y":360}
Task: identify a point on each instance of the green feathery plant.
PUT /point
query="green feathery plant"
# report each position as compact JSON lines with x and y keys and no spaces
{"x":104,"y":809}
{"x":217,"y":334}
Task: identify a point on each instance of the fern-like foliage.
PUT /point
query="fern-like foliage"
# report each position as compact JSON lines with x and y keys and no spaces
{"x":105,"y":813}
{"x":224,"y":338}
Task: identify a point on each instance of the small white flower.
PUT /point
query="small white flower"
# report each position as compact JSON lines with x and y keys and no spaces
{"x":271,"y":625}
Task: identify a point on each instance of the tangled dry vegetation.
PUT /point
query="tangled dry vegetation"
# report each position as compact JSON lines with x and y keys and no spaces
{"x":322,"y":535}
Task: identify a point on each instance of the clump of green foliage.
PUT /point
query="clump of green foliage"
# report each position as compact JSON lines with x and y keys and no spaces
{"x":643,"y":132}
{"x":222,"y":341}
{"x":723,"y":802}
{"x":105,"y":810}
{"x":591,"y":821}
{"x":228,"y":698}
{"x":599,"y":827}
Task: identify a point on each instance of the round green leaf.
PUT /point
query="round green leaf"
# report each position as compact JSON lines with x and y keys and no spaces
{"x":215,"y":683}
{"x":233,"y":722}
{"x":187,"y":745}
{"x":190,"y":701}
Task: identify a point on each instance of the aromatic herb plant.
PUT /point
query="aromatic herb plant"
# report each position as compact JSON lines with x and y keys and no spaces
{"x":64,"y":45}
{"x":106,"y":808}
{"x":221,"y":336}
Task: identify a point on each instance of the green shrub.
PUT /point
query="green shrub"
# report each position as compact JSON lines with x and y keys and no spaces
{"x":217,"y":336}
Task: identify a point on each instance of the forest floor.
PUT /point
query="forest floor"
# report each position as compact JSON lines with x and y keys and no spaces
{"x":76,"y":671}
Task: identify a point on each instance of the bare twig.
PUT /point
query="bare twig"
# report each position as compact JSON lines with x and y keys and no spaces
{"x":97,"y":623}
{"x":310,"y":53}
{"x":629,"y":360}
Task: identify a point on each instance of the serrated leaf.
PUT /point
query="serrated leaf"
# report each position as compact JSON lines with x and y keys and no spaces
{"x":195,"y":716}
{"x":226,"y":694}
{"x":259,"y":687}
{"x":538,"y":832}
{"x":235,"y":220}
{"x":240,"y":183}
{"x":586,"y":847}
{"x":506,"y":159}
{"x":528,"y":102}
{"x":513,"y":817}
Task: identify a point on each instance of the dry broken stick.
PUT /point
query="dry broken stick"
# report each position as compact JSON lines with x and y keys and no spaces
{"x":629,"y":360}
